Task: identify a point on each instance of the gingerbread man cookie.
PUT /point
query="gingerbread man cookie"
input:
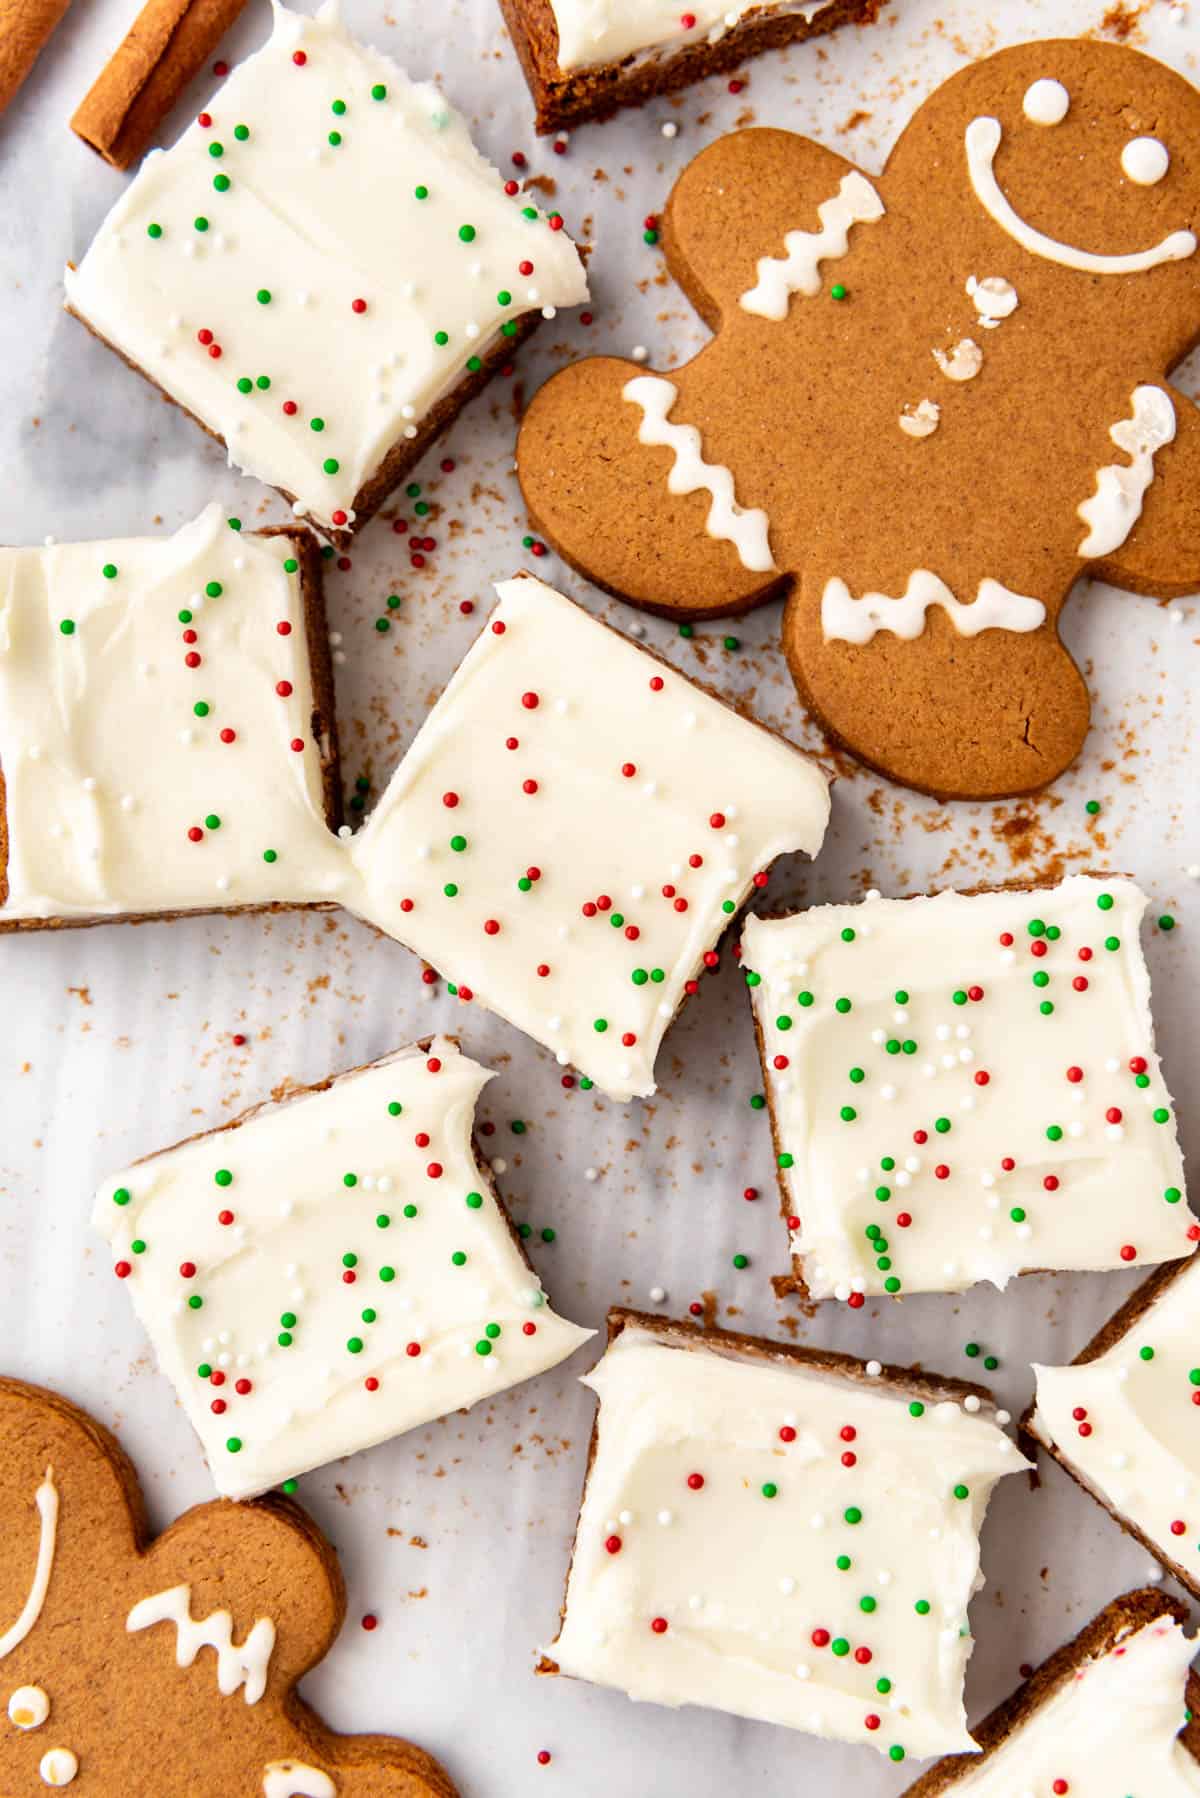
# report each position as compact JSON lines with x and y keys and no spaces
{"x":933,"y":400}
{"x":132,"y":1667}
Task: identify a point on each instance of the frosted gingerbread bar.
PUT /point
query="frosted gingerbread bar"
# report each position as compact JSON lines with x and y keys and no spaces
{"x":1113,"y":1711}
{"x":1122,"y":1418}
{"x":585,"y":58}
{"x":965,"y":1088}
{"x":167,"y":732}
{"x":573,"y":828}
{"x":331,"y":1269}
{"x":781,"y":1533}
{"x":322,"y":270}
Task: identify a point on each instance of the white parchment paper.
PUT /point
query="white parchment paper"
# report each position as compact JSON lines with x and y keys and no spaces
{"x":119,"y":1040}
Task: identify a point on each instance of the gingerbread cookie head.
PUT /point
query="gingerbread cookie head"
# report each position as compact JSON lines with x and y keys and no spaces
{"x":933,"y":400}
{"x":169,"y":1668}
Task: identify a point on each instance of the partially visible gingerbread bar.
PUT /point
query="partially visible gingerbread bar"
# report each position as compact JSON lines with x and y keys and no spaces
{"x":965,"y":1087}
{"x":322,"y":270}
{"x":331,"y":1268}
{"x":782,"y":1533}
{"x":583,"y":59}
{"x":572,"y":830}
{"x":1113,"y":1711}
{"x":1121,"y":1419}
{"x":167,"y":733}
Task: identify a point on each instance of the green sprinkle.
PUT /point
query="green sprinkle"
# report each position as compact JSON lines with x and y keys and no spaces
{"x":223,"y":1177}
{"x":195,"y":1302}
{"x":837,"y":291}
{"x":467,"y":233}
{"x":270,"y":855}
{"x":109,"y":571}
{"x":335,"y":138}
{"x":290,"y":565}
{"x":600,"y":1025}
{"x":961,"y":1491}
{"x":263,"y":296}
{"x":786,"y":1160}
{"x":222,"y":183}
{"x":289,"y":1486}
{"x":853,"y":1515}
{"x":154,"y":231}
{"x":866,"y":1604}
{"x":848,"y":1114}
{"x":1161,"y":1115}
{"x":740,"y":1260}
{"x":441,"y":338}
{"x":387,"y":1274}
{"x":67,"y":627}
{"x":201,"y":223}
{"x":483,"y":1348}
{"x":857,"y":1076}
{"x":1112,"y":943}
{"x":369,"y":1315}
{"x":1036,"y":927}
{"x":458,"y":1258}
{"x":1092,"y":807}
{"x":916,"y":1408}
{"x":474,"y":364}
{"x":731,"y":643}
{"x":338,"y":107}
{"x":379,"y":92}
{"x":1172,"y":1195}
{"x":805,"y":999}
{"x":383,"y":1222}
{"x":410,"y":1211}
{"x":840,"y":1646}
{"x":848,"y":934}
{"x":1166,"y":921}
{"x":842,"y":1005}
{"x":1017,"y":1214}
{"x":757,"y":1102}
{"x":901,"y":997}
{"x":1054,"y":1132}
{"x":355,"y":1345}
{"x":686,"y":630}
{"x":245,"y":384}
{"x":421,"y":193}
{"x":234,"y":1445}
{"x":895,"y":1752}
{"x":1147,"y":1354}
{"x":770,"y":1489}
{"x":1105,"y":901}
{"x":216,"y":150}
{"x":458,"y":844}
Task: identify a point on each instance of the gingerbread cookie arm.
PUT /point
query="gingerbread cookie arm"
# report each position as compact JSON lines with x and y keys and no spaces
{"x":1161,"y":554}
{"x":622,"y":485}
{"x":761,"y":216}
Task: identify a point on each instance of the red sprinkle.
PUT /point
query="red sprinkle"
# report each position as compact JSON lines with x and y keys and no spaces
{"x":659,"y":1626}
{"x":370,"y":1621}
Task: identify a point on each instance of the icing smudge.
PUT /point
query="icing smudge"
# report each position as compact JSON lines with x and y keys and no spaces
{"x":920,"y":420}
{"x":962,"y":362}
{"x":994,"y":299}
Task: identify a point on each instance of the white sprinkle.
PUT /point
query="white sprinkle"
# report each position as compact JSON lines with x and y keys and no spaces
{"x":670,"y":129}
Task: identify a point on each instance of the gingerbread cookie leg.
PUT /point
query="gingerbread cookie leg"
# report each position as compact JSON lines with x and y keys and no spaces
{"x":1160,"y":553}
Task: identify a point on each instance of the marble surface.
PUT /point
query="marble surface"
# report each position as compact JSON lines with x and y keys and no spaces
{"x":119,"y":1040}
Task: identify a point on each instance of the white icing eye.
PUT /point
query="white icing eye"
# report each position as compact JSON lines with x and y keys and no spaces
{"x":1046,"y":102}
{"x":1145,"y":160}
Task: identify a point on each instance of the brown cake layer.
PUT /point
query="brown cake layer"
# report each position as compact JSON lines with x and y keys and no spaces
{"x":569,"y":98}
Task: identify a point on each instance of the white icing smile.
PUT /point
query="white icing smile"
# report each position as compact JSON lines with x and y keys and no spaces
{"x":982,"y":141}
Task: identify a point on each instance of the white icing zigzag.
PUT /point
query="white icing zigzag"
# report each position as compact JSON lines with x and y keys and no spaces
{"x":848,"y":620}
{"x":855,"y":203}
{"x":245,"y":1665}
{"x":746,"y":529}
{"x":47,"y":1504}
{"x":1115,"y":507}
{"x":983,"y":140}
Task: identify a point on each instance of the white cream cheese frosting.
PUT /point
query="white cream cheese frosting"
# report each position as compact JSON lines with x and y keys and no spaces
{"x":1128,"y":1426}
{"x":572,"y":829}
{"x":603,"y":31}
{"x":156,"y":727}
{"x":319,"y":258}
{"x":331,"y":1272}
{"x":965,"y":1087}
{"x":782,"y":1542}
{"x":1109,"y":1731}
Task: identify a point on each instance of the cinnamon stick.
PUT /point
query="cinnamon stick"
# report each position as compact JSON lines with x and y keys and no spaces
{"x":25,"y":26}
{"x":166,"y":45}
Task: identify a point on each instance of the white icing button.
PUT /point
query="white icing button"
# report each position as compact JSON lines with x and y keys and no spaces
{"x":58,"y":1767}
{"x":28,"y":1707}
{"x":1145,"y":160}
{"x":1046,"y":102}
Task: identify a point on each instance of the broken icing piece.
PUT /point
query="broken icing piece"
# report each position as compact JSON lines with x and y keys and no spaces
{"x":1106,"y":1714}
{"x":920,"y":420}
{"x":573,"y":828}
{"x":845,"y":619}
{"x":1115,"y":507}
{"x":994,"y":299}
{"x":746,"y":528}
{"x":961,"y":363}
{"x":855,"y":203}
{"x":730,"y":1546}
{"x":965,"y":1086}
{"x":1122,"y":1418}
{"x":373,"y":1177}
